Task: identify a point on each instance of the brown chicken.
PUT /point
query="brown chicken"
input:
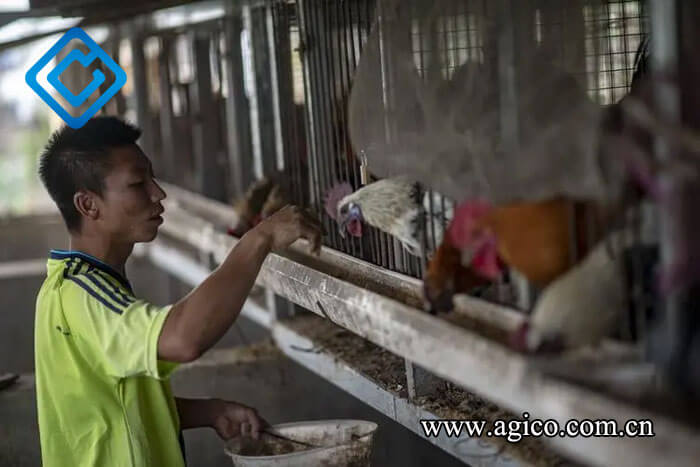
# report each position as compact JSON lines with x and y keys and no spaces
{"x":276,"y":200}
{"x":446,"y":277}
{"x":250,"y":205}
{"x":533,"y":238}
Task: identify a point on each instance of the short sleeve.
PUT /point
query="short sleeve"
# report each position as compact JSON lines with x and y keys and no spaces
{"x":123,"y":336}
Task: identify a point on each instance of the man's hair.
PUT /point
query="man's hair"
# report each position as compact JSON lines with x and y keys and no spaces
{"x":75,"y":160}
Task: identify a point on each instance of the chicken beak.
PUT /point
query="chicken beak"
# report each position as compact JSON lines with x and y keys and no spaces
{"x":341,"y":229}
{"x":466,"y":256}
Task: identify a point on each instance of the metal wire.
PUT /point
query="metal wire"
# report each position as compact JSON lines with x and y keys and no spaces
{"x":614,"y":31}
{"x":332,"y":35}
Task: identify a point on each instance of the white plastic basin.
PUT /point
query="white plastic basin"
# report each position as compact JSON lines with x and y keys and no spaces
{"x":342,"y":443}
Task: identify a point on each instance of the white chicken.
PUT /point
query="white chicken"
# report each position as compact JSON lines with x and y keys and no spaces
{"x":582,"y":306}
{"x":393,"y":205}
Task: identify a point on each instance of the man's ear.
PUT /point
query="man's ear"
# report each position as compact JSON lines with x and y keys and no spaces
{"x":86,"y":204}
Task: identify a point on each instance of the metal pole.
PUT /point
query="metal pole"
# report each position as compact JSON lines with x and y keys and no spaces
{"x":138,"y":64}
{"x":261,"y":95}
{"x":167,"y":123}
{"x":664,"y":59}
{"x":274,"y":88}
{"x":673,"y":59}
{"x":208,"y":171}
{"x":509,"y":110}
{"x":238,"y":135}
{"x":386,"y":24}
{"x":312,"y":137}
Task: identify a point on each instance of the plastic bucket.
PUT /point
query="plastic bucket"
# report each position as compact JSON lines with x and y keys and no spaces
{"x":341,"y":443}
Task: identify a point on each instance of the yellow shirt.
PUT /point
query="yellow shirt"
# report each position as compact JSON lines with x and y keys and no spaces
{"x":103,"y":397}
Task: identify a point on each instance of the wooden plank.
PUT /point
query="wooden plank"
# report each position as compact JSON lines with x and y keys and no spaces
{"x":456,"y":354}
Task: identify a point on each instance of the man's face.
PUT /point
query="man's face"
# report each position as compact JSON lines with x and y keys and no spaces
{"x":130,"y":205}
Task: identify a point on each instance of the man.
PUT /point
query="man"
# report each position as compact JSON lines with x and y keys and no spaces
{"x":103,"y":356}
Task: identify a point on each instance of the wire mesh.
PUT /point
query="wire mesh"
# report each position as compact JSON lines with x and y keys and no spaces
{"x":325,"y":38}
{"x":332,"y":35}
{"x":614,"y":33}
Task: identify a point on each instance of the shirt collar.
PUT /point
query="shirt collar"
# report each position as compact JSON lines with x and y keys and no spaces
{"x":66,"y":254}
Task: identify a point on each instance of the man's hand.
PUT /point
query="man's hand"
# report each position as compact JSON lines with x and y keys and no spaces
{"x":287,"y":226}
{"x":233,"y":419}
{"x":229,"y":419}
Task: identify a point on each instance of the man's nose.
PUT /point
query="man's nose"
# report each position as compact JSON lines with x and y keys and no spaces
{"x":157,"y":193}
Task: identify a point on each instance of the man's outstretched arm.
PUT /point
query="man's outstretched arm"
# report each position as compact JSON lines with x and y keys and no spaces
{"x":200,"y":319}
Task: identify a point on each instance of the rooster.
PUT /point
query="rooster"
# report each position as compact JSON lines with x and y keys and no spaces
{"x":533,"y":238}
{"x":446,"y":277}
{"x":392,"y":205}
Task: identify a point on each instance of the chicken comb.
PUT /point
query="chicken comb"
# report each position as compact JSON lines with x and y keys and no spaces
{"x":333,"y":197}
{"x":465,"y":219}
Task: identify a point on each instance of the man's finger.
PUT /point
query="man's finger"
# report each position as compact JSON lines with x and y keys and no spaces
{"x":245,"y":429}
{"x":255,"y":424}
{"x":313,"y":235}
{"x":311,"y":218}
{"x":229,"y":430}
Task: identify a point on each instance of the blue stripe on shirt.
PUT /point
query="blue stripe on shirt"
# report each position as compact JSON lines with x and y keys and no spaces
{"x":99,"y":298}
{"x":65,"y":254}
{"x":104,"y":289}
{"x":96,"y":273}
{"x":67,"y":275}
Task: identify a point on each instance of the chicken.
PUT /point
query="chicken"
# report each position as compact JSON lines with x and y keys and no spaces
{"x":276,"y":200}
{"x":449,"y":271}
{"x":392,"y":205}
{"x":446,"y":276}
{"x":579,"y":308}
{"x":534,"y":238}
{"x":249,"y":207}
